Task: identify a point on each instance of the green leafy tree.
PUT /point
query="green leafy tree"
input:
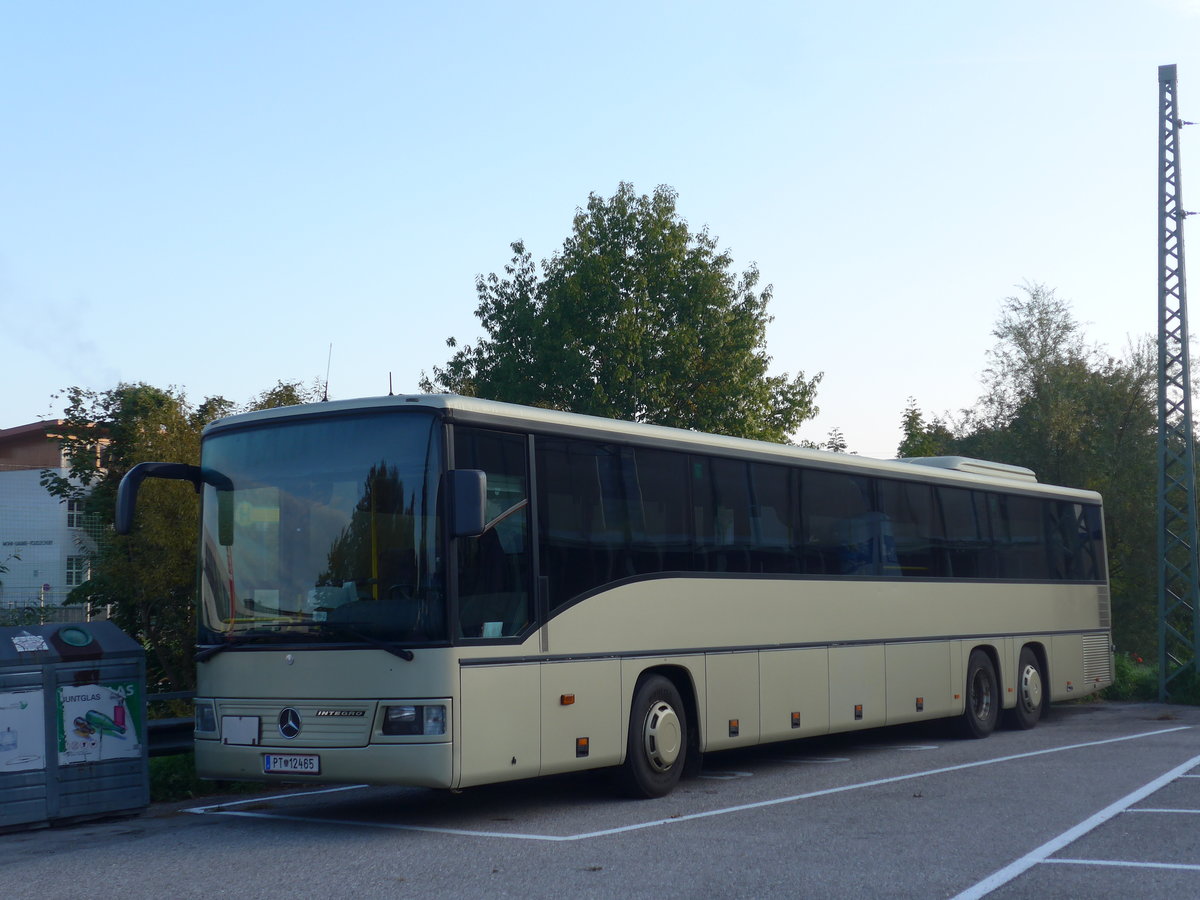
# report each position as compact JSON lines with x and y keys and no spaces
{"x":285,"y":393}
{"x":836,"y":442}
{"x":1078,"y":417}
{"x":636,"y":317}
{"x":147,"y":578}
{"x":922,"y":438}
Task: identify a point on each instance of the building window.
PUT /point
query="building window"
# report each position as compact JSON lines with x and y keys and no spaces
{"x":78,"y":570}
{"x":75,"y":513}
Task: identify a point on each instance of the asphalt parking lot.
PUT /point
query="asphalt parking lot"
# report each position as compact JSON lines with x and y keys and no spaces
{"x":1100,"y":800}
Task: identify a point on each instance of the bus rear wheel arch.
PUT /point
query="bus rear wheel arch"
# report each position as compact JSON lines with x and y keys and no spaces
{"x":981,"y":696}
{"x":657,"y":745}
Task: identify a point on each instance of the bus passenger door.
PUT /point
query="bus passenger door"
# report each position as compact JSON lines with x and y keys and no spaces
{"x":499,"y":723}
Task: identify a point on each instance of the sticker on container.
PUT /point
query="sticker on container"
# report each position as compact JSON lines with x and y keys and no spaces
{"x":22,"y":732}
{"x":98,"y":722}
{"x":29,"y":643}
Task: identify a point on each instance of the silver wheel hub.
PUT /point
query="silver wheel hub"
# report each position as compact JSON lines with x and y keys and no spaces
{"x":661,"y":736}
{"x":981,"y":696}
{"x":1031,"y":688}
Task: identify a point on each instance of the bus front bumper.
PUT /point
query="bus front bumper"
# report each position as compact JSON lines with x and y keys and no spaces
{"x":418,"y":765}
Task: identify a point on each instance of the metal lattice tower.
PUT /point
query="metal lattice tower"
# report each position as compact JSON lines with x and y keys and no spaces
{"x":1178,"y":576}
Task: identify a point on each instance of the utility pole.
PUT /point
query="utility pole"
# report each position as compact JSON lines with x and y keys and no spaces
{"x":1178,"y":577}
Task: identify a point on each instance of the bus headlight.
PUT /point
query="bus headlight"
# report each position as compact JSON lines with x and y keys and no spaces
{"x":414,"y":719}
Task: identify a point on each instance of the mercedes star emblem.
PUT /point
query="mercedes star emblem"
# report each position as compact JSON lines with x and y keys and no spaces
{"x":289,"y":722}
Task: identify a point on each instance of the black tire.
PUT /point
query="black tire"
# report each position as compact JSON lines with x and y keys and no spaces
{"x":982,"y":697}
{"x":1031,"y":692}
{"x":656,"y":749}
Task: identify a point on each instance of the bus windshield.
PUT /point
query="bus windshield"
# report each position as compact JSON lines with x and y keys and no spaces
{"x":323,"y":529}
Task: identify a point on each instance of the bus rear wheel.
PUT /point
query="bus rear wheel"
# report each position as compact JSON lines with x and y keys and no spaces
{"x":656,"y":748}
{"x":982,"y":697}
{"x":1031,"y":697}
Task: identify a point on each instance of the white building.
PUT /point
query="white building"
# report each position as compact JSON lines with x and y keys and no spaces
{"x":42,"y":540}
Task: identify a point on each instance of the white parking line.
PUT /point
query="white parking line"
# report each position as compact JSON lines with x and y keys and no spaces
{"x":1122,"y":862}
{"x":218,"y":807}
{"x":1142,"y":809}
{"x":1043,"y":853}
{"x":227,"y":808}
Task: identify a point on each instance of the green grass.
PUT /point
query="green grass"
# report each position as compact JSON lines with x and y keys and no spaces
{"x":1136,"y":679}
{"x":174,"y":778}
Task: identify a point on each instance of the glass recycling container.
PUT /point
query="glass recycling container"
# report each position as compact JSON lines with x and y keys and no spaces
{"x":72,"y":724}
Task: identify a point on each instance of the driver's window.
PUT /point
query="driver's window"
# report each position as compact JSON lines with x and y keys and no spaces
{"x":494,"y":568}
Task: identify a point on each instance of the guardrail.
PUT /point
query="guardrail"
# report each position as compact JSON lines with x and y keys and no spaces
{"x":166,"y":737}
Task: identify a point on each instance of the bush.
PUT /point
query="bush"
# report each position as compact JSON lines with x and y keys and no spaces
{"x":1136,"y":679}
{"x":1186,"y":689}
{"x":1133,"y":679}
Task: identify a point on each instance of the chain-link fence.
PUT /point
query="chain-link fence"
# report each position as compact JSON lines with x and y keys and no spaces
{"x":20,"y":614}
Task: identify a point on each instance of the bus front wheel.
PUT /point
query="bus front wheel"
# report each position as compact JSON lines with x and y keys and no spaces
{"x":656,"y":748}
{"x":982,"y":697}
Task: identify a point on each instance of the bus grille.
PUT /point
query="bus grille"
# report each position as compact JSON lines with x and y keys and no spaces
{"x":323,"y":723}
{"x":1104,"y":603}
{"x":1097,"y":659}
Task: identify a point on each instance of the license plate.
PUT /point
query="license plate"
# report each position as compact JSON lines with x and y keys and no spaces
{"x":292,"y":764}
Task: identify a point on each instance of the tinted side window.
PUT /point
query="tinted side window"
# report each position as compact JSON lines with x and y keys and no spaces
{"x":843,"y":535}
{"x":721,"y":509}
{"x":582,"y":517}
{"x":775,"y":519}
{"x":1020,"y":530}
{"x":915,"y":535}
{"x":660,"y":501}
{"x":1075,"y":541}
{"x":494,"y":569}
{"x":1090,"y":561}
{"x":965,"y":545}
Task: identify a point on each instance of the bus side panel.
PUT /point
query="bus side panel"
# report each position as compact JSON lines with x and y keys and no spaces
{"x":500,"y":727}
{"x":1066,"y":667}
{"x":732,"y":711}
{"x":580,"y":699}
{"x":1010,"y":654}
{"x":794,"y":682}
{"x":856,"y":688}
{"x":918,"y":682}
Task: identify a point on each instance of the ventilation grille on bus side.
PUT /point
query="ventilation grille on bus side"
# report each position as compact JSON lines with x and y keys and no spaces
{"x":1097,"y":659}
{"x":1104,"y":603}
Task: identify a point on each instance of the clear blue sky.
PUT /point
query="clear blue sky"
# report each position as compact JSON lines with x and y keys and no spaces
{"x":208,"y":195}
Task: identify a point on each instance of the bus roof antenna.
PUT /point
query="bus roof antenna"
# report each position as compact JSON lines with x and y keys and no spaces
{"x":328,"y":362}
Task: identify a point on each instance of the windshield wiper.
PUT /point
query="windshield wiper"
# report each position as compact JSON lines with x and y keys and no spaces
{"x":402,"y":652}
{"x":237,"y":640}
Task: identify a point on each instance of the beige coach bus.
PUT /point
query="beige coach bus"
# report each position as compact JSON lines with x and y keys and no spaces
{"x":444,"y":591}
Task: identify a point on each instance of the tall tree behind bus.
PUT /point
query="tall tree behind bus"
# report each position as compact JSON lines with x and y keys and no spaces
{"x":1076,"y":416}
{"x":148,"y":578}
{"x":635,"y":318}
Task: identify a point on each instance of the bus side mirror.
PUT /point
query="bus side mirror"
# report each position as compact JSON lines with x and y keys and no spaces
{"x":224,"y":517}
{"x":127,"y":493}
{"x":127,"y":490}
{"x":466,"y":491}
